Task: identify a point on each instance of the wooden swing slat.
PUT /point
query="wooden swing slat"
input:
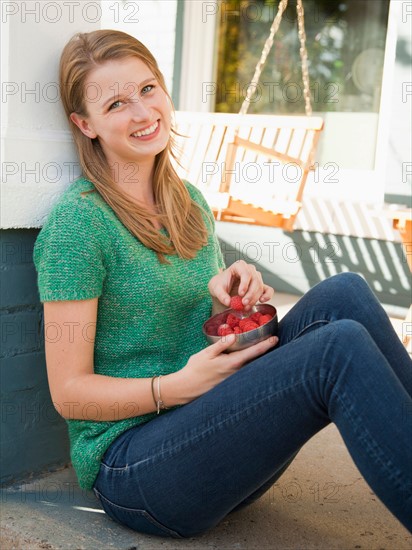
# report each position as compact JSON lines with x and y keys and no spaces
{"x":267,"y":138}
{"x":255,"y":136}
{"x":187,"y":145}
{"x":291,"y":135}
{"x":302,"y":145}
{"x":275,"y":139}
{"x":203,"y":144}
{"x":217,"y":142}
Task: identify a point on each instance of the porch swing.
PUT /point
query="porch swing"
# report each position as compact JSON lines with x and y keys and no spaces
{"x":225,"y":149}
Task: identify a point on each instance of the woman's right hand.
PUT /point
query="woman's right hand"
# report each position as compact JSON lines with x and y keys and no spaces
{"x":210,"y":366}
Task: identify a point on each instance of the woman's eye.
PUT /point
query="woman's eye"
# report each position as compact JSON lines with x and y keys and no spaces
{"x":115,"y":105}
{"x":148,"y":88}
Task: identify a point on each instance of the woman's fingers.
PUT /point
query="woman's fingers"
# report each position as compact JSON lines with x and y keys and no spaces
{"x":267,"y":295}
{"x":251,"y":284}
{"x":219,"y":287}
{"x":221,"y":345}
{"x":243,"y":279}
{"x":245,"y":273}
{"x":243,"y":355}
{"x":254,"y":292}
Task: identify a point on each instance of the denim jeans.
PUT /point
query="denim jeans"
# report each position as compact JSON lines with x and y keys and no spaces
{"x":338,"y":360}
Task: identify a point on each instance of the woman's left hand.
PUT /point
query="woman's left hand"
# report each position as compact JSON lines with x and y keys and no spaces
{"x":243,"y":279}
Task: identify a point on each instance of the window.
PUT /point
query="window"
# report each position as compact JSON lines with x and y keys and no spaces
{"x":345,"y":40}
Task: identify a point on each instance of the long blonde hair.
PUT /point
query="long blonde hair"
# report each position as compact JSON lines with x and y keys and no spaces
{"x":176,"y":211}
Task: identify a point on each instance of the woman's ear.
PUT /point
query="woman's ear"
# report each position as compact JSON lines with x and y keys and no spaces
{"x":83,"y":125}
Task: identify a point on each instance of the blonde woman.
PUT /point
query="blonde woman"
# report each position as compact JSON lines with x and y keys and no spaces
{"x":170,"y":433}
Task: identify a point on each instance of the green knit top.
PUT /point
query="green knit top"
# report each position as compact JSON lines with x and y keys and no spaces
{"x":150,"y":315}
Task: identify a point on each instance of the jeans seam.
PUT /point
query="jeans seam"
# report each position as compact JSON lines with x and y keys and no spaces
{"x":372,"y":445}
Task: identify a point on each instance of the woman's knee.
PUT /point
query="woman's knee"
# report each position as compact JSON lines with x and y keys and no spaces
{"x":348,"y":333}
{"x":349,"y":280}
{"x":347,"y":286}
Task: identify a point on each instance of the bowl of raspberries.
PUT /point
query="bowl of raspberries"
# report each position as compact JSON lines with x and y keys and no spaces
{"x":250,"y":327}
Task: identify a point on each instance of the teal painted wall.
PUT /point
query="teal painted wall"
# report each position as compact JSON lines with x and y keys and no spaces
{"x":33,"y":436}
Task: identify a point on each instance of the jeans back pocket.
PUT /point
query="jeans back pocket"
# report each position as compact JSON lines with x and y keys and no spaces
{"x":138,"y":520}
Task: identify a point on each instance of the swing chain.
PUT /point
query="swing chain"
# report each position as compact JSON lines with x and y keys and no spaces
{"x":304,"y":57}
{"x":268,"y":46}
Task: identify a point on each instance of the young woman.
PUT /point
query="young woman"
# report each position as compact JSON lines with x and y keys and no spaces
{"x":170,"y":433}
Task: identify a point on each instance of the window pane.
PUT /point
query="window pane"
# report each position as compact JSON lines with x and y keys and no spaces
{"x":345,"y":43}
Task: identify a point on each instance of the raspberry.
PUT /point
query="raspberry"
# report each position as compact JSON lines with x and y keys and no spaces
{"x":232,"y":320}
{"x":255,"y":317}
{"x":236,"y":303}
{"x":224,"y":330}
{"x":247,"y":324}
{"x":237,"y":330}
{"x":265,"y":319}
{"x":250,"y":326}
{"x":244,"y":322}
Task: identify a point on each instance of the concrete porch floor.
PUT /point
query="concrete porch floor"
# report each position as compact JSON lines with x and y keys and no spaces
{"x":320,"y":502}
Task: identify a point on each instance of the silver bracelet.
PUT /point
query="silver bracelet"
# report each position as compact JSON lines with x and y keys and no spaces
{"x":160,"y":402}
{"x":153,"y":393}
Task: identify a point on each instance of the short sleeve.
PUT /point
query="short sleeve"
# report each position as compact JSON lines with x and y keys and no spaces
{"x":68,"y":253}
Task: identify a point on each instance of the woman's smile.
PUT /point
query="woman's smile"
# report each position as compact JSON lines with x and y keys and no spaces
{"x":149,"y":132}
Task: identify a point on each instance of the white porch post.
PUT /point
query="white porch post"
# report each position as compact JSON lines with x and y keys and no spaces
{"x":38,"y":157}
{"x":197,"y":83}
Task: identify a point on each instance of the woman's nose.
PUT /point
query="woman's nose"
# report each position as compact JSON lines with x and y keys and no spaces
{"x":140,"y":111}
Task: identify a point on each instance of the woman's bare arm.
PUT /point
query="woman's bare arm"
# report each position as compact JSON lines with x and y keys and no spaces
{"x":77,"y":392}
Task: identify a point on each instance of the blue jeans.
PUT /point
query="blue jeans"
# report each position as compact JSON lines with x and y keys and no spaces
{"x":338,"y":360}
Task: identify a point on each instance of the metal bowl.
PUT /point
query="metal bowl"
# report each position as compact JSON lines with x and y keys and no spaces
{"x":246,"y":339}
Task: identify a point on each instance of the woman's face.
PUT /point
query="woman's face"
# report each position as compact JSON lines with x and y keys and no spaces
{"x":128,"y":111}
